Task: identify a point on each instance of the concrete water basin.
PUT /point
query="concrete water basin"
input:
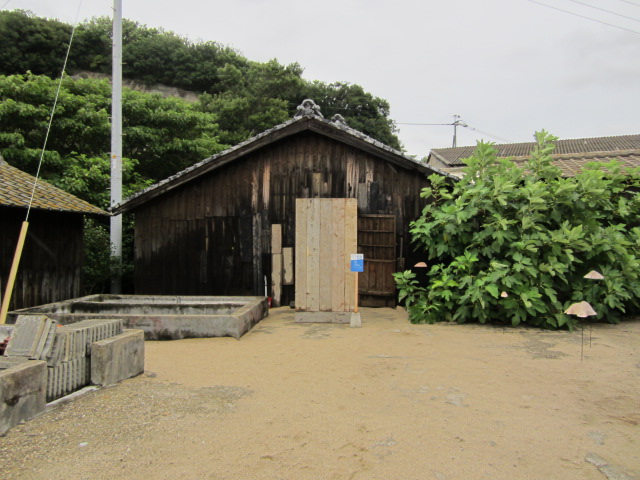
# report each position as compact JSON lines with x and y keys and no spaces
{"x":162,"y":317}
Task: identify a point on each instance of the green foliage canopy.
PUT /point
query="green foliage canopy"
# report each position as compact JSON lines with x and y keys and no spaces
{"x":530,"y":233}
{"x":160,"y":136}
{"x":247,"y":97}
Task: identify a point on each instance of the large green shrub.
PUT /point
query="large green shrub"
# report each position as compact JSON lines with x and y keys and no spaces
{"x":530,"y":233}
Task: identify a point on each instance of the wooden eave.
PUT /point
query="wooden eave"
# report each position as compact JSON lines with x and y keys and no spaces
{"x":346,"y":135}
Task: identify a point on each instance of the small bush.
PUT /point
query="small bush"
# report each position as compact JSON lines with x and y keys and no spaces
{"x":530,"y":233}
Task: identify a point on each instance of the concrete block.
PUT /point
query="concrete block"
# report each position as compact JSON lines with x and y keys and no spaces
{"x":323,"y":317}
{"x":117,"y":358}
{"x":26,"y":335}
{"x":48,"y":342}
{"x":8,"y":362}
{"x":22,"y":393}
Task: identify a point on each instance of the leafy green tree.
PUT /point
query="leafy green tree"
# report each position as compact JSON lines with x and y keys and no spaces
{"x":530,"y":233}
{"x":248,"y":97}
{"x":254,"y":100}
{"x":161,"y":136}
{"x":360,"y":109}
{"x":32,"y":43}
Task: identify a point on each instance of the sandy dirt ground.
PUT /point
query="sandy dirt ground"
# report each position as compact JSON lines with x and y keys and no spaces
{"x":389,"y":400}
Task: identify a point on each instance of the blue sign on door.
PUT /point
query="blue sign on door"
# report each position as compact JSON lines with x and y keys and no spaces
{"x":357,"y":262}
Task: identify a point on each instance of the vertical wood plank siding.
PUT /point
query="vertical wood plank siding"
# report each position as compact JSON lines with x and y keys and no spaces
{"x":228,"y":214}
{"x":51,"y":265}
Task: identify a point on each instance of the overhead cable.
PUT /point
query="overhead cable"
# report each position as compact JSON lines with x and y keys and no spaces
{"x":583,"y":16}
{"x":605,"y":10}
{"x":630,"y":3}
{"x":53,"y":109}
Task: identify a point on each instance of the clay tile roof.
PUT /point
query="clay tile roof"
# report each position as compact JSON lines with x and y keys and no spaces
{"x":16,"y":187}
{"x":570,"y":155}
{"x":453,"y":156}
{"x":304,"y":120}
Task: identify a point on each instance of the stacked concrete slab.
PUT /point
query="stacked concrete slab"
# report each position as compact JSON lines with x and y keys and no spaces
{"x":66,"y":350}
{"x":32,"y":337}
{"x":68,"y":360}
{"x":44,"y":361}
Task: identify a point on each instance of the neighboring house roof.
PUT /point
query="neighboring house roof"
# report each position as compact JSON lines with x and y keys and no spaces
{"x":570,"y":155}
{"x":307,"y":119}
{"x":16,"y":188}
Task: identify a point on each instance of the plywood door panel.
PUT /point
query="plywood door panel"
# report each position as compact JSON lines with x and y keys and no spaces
{"x":338,"y":258}
{"x":313,"y":255}
{"x":326,"y":235}
{"x":326,"y":255}
{"x":301,"y":255}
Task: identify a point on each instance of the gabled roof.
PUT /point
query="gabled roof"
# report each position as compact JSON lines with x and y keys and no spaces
{"x":601,"y":145}
{"x":308,"y":121}
{"x":16,"y":188}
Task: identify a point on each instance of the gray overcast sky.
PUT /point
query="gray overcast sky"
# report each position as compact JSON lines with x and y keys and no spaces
{"x":507,"y":67}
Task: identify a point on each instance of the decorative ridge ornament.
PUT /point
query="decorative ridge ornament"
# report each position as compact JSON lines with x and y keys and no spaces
{"x":308,"y":108}
{"x":339,"y":120}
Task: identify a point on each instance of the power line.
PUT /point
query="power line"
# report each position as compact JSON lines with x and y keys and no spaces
{"x":53,"y":109}
{"x":401,"y":123}
{"x":605,"y":10}
{"x":588,"y":18}
{"x":5,"y":4}
{"x":458,"y":122}
{"x":630,"y":3}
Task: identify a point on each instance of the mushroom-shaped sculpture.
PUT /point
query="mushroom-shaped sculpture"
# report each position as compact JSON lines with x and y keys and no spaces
{"x":581,"y":309}
{"x":594,"y":275}
{"x":420,"y":265}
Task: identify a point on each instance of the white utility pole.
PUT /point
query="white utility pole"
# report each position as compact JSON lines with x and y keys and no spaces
{"x":116,"y":144}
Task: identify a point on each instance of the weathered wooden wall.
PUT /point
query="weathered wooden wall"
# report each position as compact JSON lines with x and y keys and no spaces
{"x":51,"y":265}
{"x":213,"y":235}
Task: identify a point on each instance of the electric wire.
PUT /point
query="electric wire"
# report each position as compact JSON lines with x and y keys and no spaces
{"x":6,"y":3}
{"x":630,"y":3}
{"x":584,"y":16}
{"x":502,"y":139}
{"x":405,"y":123}
{"x":465,"y":125}
{"x":53,"y":109}
{"x":605,"y":10}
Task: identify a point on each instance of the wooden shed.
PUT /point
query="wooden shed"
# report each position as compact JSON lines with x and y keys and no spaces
{"x":51,"y":265}
{"x":216,"y":227}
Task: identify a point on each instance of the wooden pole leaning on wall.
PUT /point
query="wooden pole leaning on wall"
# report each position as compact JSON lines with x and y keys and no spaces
{"x":12,"y":273}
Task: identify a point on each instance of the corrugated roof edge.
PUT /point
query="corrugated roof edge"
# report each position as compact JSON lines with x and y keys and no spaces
{"x":121,"y":207}
{"x":455,"y":155}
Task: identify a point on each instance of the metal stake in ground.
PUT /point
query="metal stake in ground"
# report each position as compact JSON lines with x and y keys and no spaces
{"x":593,"y":275}
{"x":581,"y":310}
{"x":357,"y":265}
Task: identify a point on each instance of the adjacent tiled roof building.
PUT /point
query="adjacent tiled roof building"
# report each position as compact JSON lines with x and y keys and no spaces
{"x":16,"y":188}
{"x":570,"y":155}
{"x":50,"y":269}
